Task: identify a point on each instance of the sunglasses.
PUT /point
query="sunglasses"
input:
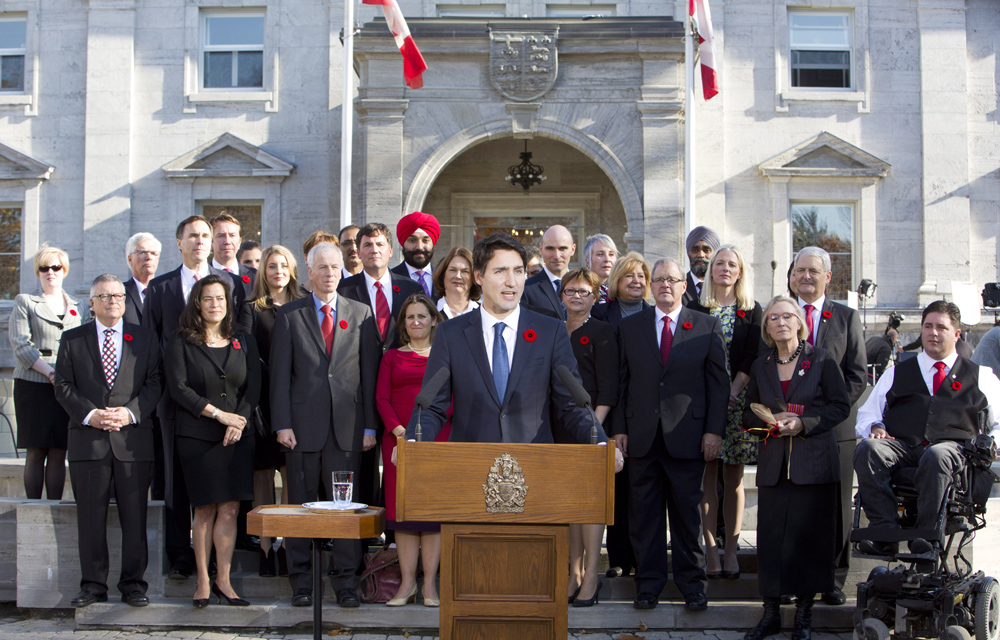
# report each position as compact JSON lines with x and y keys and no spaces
{"x":46,"y":269}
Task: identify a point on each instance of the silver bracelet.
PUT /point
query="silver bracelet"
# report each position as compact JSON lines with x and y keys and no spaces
{"x":215,"y":413}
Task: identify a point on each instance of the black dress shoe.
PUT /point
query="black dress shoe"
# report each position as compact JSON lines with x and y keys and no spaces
{"x":696,"y":602}
{"x":85,"y":598}
{"x":135,"y":599}
{"x":713,"y":575}
{"x":302,"y":598}
{"x":921,"y":546}
{"x":834,"y":598}
{"x":179,"y":572}
{"x":871,"y":548}
{"x":730,"y":575}
{"x":348,"y":599}
{"x":645,"y":601}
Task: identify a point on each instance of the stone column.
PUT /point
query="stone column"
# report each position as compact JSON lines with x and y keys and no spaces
{"x":945,"y":142}
{"x":107,"y":186}
{"x":381,"y":121}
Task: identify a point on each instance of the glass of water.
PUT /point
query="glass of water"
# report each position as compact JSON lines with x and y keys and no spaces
{"x":343,"y":488}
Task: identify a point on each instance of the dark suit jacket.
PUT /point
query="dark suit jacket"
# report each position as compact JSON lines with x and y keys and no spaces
{"x":523,"y":414}
{"x":690,"y":296}
{"x":80,"y":388}
{"x":840,"y":333}
{"x":312,"y":392}
{"x":611,"y":312}
{"x":247,"y":276}
{"x":746,"y":345}
{"x":194,"y":380}
{"x":355,"y":288}
{"x":812,"y":456}
{"x":681,"y":401}
{"x":133,"y":302}
{"x":539,"y":292}
{"x":596,"y":353}
{"x":401,"y":270}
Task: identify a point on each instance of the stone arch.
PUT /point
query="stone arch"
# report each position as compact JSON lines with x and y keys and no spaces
{"x":593,"y":148}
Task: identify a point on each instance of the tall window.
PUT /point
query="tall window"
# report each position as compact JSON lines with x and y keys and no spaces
{"x":232,"y":50}
{"x":820,"y":49}
{"x":12,"y":35}
{"x":829,"y":226}
{"x":246,"y":211}
{"x":10,"y":251}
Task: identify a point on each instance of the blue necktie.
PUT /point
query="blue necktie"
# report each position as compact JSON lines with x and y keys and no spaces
{"x":557,"y":283}
{"x":501,"y":367}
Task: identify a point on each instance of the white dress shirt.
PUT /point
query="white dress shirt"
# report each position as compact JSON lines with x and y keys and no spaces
{"x":413,"y":273}
{"x":141,"y":288}
{"x":116,"y":341}
{"x":817,"y":312}
{"x":552,"y":278}
{"x":386,"y":281}
{"x":187,"y":278}
{"x":509,"y":333}
{"x":449,"y":314}
{"x":872,"y":410}
{"x":221,"y":267}
{"x":660,"y":315}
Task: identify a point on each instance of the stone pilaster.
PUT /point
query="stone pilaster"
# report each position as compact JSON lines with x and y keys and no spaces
{"x":382,"y":194}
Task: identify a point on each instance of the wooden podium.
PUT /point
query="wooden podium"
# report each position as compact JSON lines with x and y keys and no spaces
{"x":504,"y":511}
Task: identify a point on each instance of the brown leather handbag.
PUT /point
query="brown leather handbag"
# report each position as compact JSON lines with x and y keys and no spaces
{"x":380,"y":579}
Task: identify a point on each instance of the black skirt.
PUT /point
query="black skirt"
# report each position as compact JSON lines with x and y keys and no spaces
{"x":214,"y":473}
{"x":796,"y":538}
{"x":41,"y":421}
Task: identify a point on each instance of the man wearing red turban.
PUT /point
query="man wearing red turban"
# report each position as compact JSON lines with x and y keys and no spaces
{"x":418,"y":232}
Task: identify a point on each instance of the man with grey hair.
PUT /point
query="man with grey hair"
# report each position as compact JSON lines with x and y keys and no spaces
{"x":600,"y":253}
{"x":836,"y":328}
{"x":142,"y":252}
{"x":700,"y":244}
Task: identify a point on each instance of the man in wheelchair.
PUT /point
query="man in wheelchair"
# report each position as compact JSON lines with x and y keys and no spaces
{"x":924,"y":417}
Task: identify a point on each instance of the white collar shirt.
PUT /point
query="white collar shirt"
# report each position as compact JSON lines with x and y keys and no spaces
{"x":817,"y":310}
{"x":141,"y":288}
{"x":221,"y":267}
{"x":660,"y":315}
{"x":116,"y":341}
{"x":552,"y":278}
{"x":386,"y":282}
{"x":188,"y":280}
{"x":509,"y":333}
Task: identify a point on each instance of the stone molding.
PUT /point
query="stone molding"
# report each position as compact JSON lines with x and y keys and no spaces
{"x":825,"y":155}
{"x":256,"y":162}
{"x":522,"y":118}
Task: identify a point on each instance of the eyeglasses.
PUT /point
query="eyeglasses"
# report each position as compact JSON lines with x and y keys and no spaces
{"x":787,"y":317}
{"x":108,"y":297}
{"x":147,"y":254}
{"x":54,"y":267}
{"x":670,"y":281}
{"x":582,"y":293}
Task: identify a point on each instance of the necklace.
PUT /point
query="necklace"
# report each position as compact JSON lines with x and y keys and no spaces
{"x":416,"y":350}
{"x":794,"y":355}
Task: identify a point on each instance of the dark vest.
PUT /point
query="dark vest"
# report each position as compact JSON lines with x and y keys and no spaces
{"x":912,"y":415}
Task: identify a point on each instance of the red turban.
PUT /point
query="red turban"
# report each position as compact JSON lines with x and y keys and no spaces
{"x":417,"y":220}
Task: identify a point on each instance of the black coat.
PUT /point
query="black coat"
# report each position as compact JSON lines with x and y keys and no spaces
{"x":611,"y":312}
{"x":539,"y":292}
{"x":596,"y":352}
{"x":133,"y":302}
{"x":840,"y":333}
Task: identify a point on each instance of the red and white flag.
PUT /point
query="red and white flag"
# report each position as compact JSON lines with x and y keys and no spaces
{"x":413,"y":63}
{"x":701,"y":18}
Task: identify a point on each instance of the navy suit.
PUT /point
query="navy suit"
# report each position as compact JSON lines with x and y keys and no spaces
{"x":539,"y":292}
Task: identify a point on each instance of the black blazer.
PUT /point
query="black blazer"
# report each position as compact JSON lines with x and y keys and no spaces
{"x":840,"y":333}
{"x":681,"y":401}
{"x":539,"y":292}
{"x":247,"y":277}
{"x":194,"y":380}
{"x":611,"y":312}
{"x":746,"y":345}
{"x":812,"y":456}
{"x":596,"y":352}
{"x":80,"y":387}
{"x":355,"y":288}
{"x":133,"y":301}
{"x":690,"y":296}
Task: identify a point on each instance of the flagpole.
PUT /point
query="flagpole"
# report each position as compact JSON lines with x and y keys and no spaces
{"x":347,"y":116}
{"x":689,"y":144}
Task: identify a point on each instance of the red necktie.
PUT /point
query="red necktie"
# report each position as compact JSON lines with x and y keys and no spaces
{"x":197,"y":277}
{"x":327,"y":328}
{"x":381,"y":309}
{"x":939,"y":376}
{"x":666,"y":339}
{"x":809,"y":323}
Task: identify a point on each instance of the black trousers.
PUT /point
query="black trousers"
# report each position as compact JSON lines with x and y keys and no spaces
{"x":307,"y":472}
{"x":619,"y":543}
{"x":845,"y":513}
{"x":157,"y":487}
{"x":664,"y":486}
{"x":92,"y":481}
{"x":177,"y":504}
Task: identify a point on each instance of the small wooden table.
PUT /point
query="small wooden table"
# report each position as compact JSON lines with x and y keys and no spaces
{"x":293,"y":521}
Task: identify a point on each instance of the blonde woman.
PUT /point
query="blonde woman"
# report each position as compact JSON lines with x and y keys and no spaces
{"x":36,"y":326}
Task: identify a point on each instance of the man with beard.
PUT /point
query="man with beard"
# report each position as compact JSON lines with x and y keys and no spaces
{"x":701,"y":243}
{"x":349,"y":249}
{"x":418,"y":232}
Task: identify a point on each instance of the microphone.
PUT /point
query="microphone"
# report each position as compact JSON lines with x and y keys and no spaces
{"x":580,"y":397}
{"x":427,"y":395}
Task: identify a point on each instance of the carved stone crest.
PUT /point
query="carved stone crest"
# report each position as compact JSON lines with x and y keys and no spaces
{"x":505,"y":489}
{"x":523,"y":64}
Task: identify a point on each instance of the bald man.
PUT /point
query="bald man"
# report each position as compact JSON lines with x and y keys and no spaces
{"x":542,"y":290}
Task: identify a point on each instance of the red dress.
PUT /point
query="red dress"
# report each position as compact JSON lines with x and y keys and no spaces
{"x":399,"y":378}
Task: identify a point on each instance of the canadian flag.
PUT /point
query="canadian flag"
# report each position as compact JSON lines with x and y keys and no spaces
{"x":701,"y":18}
{"x":413,"y":63}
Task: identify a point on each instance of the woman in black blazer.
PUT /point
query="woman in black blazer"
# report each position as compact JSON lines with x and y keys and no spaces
{"x":213,"y":374}
{"x":798,"y":467}
{"x":277,"y":283}
{"x":596,"y":354}
{"x":727,"y":295}
{"x":628,"y":288}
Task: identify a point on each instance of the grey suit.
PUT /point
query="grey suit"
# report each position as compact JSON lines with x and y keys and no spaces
{"x":35,"y":332}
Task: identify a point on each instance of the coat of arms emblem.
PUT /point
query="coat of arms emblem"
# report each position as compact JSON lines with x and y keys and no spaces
{"x":523,"y":65}
{"x":505,"y":489}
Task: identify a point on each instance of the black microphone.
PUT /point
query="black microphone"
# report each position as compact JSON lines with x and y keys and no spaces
{"x":427,"y":395}
{"x":580,"y":397}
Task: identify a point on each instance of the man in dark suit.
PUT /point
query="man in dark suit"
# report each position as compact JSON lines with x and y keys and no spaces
{"x":108,"y":380}
{"x":542,"y":290}
{"x":324,"y":421}
{"x":418,"y":232}
{"x":166,"y":298}
{"x":700,"y":244}
{"x":836,"y":328}
{"x":225,"y":245}
{"x":670,"y":420}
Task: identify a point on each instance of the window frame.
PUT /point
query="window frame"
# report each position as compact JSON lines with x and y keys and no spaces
{"x":850,"y":48}
{"x":855,"y":239}
{"x":22,"y":52}
{"x":204,"y":48}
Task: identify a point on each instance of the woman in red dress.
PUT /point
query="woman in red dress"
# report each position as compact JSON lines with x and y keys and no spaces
{"x":399,"y":378}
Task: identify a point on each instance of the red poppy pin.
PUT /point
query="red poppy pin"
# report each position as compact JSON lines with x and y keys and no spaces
{"x":956,"y":385}
{"x":246,"y":279}
{"x":806,"y":364}
{"x":127,"y":337}
{"x":827,"y":314}
{"x":741,"y":313}
{"x":236,"y":344}
{"x":584,"y":340}
{"x":72,"y":312}
{"x":687,"y":325}
{"x":395,"y":288}
{"x":529,"y":336}
{"x":343,"y":324}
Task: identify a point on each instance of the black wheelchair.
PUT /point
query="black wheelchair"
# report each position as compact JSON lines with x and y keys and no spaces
{"x":934,"y":594}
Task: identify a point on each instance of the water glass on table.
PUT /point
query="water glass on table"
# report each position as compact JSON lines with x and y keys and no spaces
{"x":343,"y":488}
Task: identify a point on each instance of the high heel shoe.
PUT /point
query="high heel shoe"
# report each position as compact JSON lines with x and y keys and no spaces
{"x":575,"y":594}
{"x":200,"y":603}
{"x":589,"y":602}
{"x":404,"y":600}
{"x":730,"y":575}
{"x":432,"y":602}
{"x":232,"y":602}
{"x":715,"y":575}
